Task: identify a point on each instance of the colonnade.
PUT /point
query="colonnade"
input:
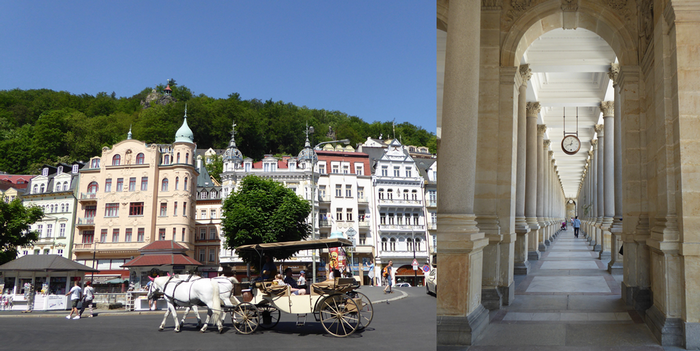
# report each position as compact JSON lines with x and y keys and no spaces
{"x":499,"y":196}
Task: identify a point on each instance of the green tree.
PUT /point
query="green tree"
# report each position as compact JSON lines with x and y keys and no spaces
{"x":15,"y":220}
{"x":216,"y":167}
{"x":264,"y":211}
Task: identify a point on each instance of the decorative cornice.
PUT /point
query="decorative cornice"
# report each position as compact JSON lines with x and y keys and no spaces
{"x":541,"y":128}
{"x":525,"y":73}
{"x":491,"y":5}
{"x":608,"y":109}
{"x":614,"y":73}
{"x":598,"y":129}
{"x":533,"y":109}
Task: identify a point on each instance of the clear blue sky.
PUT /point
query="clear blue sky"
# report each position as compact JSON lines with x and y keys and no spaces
{"x":371,"y":59}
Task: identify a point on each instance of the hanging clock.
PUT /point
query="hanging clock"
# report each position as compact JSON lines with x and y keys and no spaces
{"x":570,"y":144}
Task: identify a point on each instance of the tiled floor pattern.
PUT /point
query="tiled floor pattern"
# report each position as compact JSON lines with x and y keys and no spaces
{"x":568,"y":301}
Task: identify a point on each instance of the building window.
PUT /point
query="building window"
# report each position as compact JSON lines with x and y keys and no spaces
{"x":360,"y":192}
{"x":336,"y":168}
{"x":120,"y":184}
{"x":103,"y":236}
{"x":108,"y":185}
{"x":346,"y":169}
{"x":40,"y":230}
{"x":381,"y":194}
{"x":348,"y":191}
{"x":116,"y":160}
{"x":144,"y":183}
{"x":139,"y":235}
{"x":132,"y":184}
{"x":202,"y":233}
{"x":348,"y":214}
{"x":163,"y":209}
{"x":178,"y":161}
{"x":414,"y":195}
{"x":415,"y":219}
{"x":211,"y":255}
{"x":322,"y":191}
{"x":382,"y":218}
{"x":127,"y":235}
{"x":391,"y":218}
{"x":136,"y":209}
{"x":59,"y":252}
{"x":338,"y":214}
{"x":322,"y":168}
{"x":409,"y":245}
{"x":201,"y":255}
{"x":417,"y":243}
{"x":174,"y":233}
{"x":115,"y":235}
{"x":408,"y":172}
{"x":41,"y":188}
{"x":405,"y":194}
{"x":74,"y":170}
{"x":203,"y":195}
{"x":36,"y":189}
{"x":95,"y":163}
{"x":432,"y":197}
{"x":384,"y":246}
{"x":164,"y":185}
{"x":88,"y":236}
{"x":140,"y":158}
{"x":203,"y":214}
{"x":246,"y":167}
{"x":187,"y":157}
{"x":385,"y":171}
{"x":392,"y":244}
{"x":213,"y":213}
{"x":358,"y":170}
{"x":161,"y":234}
{"x":363,"y":239}
{"x":184,"y":209}
{"x":212,"y":233}
{"x":47,"y":251}
{"x":166,"y":159}
{"x":49,"y":230}
{"x":185,"y":187}
{"x":338,"y":190}
{"x":177,"y":182}
{"x":62,"y":231}
{"x":397,"y":171}
{"x":45,"y":172}
{"x":112,"y":210}
{"x":183,"y":235}
{"x":390,"y":194}
{"x":90,"y":211}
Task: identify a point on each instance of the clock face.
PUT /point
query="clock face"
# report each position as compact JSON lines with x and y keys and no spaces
{"x":570,"y":144}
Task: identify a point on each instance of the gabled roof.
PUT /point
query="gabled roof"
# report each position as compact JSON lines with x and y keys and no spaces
{"x":45,"y":263}
{"x":163,"y":245}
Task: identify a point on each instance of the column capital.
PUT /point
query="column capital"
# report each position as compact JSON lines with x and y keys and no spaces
{"x":594,"y":143}
{"x":525,"y":73}
{"x":551,"y":154}
{"x":614,"y":73}
{"x":599,"y":129}
{"x":533,"y":108}
{"x":546,"y":143}
{"x":608,"y":108}
{"x":541,"y":128}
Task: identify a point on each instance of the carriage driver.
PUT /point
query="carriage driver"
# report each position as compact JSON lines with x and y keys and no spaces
{"x":289,"y":280}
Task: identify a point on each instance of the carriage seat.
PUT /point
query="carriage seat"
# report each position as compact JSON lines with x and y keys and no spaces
{"x":332,"y":286}
{"x":270,"y":289}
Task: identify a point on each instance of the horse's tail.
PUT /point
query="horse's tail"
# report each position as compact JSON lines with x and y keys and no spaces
{"x":216,"y":298}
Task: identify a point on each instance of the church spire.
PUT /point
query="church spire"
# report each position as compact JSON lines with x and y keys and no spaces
{"x":128,"y":135}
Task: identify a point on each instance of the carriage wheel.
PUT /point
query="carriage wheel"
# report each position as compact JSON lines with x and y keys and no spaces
{"x":366,"y":309}
{"x":338,"y":315}
{"x":269,"y":316}
{"x":245,"y":318}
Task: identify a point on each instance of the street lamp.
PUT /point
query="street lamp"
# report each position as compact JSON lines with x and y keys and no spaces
{"x":314,"y":160}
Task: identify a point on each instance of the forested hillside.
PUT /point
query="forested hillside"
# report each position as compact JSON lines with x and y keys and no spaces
{"x":45,"y":127}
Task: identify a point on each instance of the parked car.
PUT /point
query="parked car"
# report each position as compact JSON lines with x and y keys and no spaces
{"x":431,"y":282}
{"x":403,"y":285}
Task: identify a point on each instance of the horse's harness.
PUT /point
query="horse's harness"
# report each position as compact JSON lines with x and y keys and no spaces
{"x":175,"y":301}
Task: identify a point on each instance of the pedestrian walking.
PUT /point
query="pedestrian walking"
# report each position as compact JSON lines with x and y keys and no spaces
{"x":76,"y":293}
{"x":29,"y":297}
{"x":386,"y":275}
{"x":577,"y":226}
{"x":89,"y":295}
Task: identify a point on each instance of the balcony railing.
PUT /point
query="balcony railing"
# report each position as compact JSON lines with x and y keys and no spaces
{"x":431,"y":203}
{"x":432,"y":226}
{"x":323,"y":224}
{"x":88,"y":221}
{"x":362,"y":200}
{"x":324,"y":198}
{"x":399,"y":202}
{"x":364,"y":224}
{"x":88,"y":196}
{"x":401,"y":227}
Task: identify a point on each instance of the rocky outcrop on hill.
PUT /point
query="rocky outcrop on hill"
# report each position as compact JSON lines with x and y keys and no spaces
{"x":155,"y":97}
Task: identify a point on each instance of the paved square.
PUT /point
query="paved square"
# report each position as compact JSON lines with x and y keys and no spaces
{"x":570,"y":254}
{"x":565,"y":284}
{"x":569,"y":265}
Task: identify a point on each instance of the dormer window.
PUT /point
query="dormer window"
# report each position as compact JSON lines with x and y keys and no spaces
{"x":166,"y":159}
{"x":246,"y":167}
{"x":59,"y":170}
{"x":75,"y":169}
{"x":45,"y":172}
{"x":116,"y":160}
{"x":140,"y":158}
{"x":95,"y":163}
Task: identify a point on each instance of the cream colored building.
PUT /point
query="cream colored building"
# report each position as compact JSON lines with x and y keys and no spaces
{"x":509,"y":71}
{"x":132,"y":195}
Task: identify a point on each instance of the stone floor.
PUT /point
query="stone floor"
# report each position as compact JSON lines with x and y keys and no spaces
{"x":569,"y":301}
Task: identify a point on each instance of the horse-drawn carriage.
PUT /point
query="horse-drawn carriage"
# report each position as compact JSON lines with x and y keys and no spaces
{"x":335,"y":303}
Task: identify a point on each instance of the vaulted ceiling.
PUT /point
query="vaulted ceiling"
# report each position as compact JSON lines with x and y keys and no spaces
{"x":570,"y":76}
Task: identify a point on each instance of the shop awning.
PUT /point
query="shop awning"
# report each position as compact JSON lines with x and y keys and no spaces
{"x":116,"y":281}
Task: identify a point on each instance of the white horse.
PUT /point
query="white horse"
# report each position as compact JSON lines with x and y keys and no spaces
{"x":225,"y":292}
{"x":192,"y":293}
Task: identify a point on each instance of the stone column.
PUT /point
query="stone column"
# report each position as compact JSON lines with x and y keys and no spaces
{"x":600,"y":186}
{"x":615,"y":265}
{"x":552,"y":191}
{"x":593,"y":213}
{"x":522,"y":229}
{"x":541,"y":128}
{"x":545,"y":193}
{"x":608,"y":109}
{"x":461,"y":317}
{"x":533,"y":109}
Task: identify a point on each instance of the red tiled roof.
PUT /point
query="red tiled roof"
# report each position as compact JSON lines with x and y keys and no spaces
{"x":168,"y":87}
{"x":161,"y":260}
{"x":280,"y":165}
{"x":20,"y":181}
{"x":163,"y":245}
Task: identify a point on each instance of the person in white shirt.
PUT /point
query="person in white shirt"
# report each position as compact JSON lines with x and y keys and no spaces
{"x":76,"y":293}
{"x":89,"y":296}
